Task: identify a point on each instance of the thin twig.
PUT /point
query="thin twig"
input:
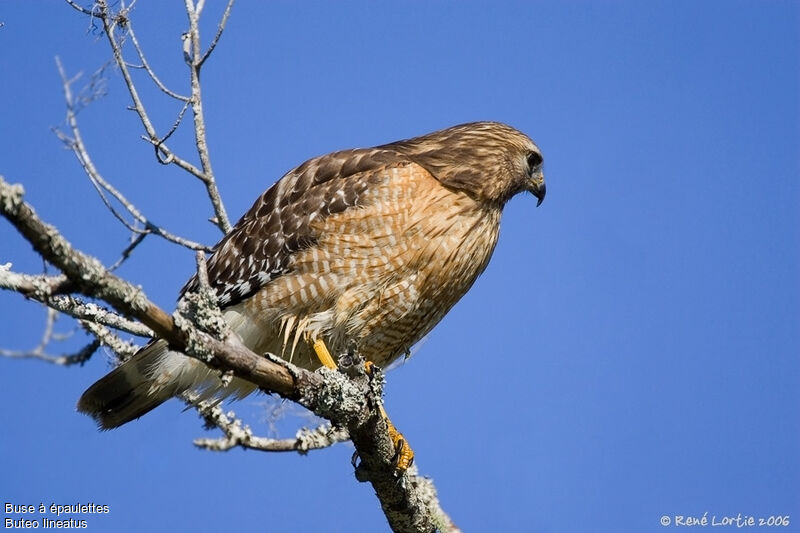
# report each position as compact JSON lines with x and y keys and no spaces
{"x":193,"y":60}
{"x":146,"y":66}
{"x":96,"y":88}
{"x":136,"y":239}
{"x":220,"y":29}
{"x":48,"y":336}
{"x":79,"y":8}
{"x":172,"y":130}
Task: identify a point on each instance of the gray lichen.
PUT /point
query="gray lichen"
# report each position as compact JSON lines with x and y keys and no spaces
{"x":340,"y":398}
{"x":10,"y":196}
{"x":198,"y":312}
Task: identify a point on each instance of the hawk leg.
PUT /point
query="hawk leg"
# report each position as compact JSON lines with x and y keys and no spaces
{"x":404,"y":455}
{"x":323,"y":354}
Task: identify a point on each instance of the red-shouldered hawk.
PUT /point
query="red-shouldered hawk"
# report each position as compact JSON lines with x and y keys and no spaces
{"x":366,"y":248}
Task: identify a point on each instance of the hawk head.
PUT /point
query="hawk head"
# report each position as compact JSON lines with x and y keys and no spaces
{"x":487,"y":160}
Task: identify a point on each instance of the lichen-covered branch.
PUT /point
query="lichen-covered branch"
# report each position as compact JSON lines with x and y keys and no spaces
{"x":237,"y":434}
{"x":124,"y":350}
{"x":36,"y":287}
{"x":47,"y":290}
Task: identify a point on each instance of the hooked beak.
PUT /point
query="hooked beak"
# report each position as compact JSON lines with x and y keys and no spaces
{"x":538,"y":188}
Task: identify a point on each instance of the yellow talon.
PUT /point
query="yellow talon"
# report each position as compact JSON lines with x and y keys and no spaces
{"x":404,"y":455}
{"x":323,"y":354}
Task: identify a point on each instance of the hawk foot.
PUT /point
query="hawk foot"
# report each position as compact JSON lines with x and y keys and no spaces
{"x":403,"y":454}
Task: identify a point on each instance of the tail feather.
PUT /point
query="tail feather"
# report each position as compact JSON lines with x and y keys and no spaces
{"x":128,"y":391}
{"x":149,"y":378}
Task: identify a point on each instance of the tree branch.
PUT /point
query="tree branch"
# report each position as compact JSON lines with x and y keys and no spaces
{"x":79,"y":357}
{"x":194,"y":61}
{"x":87,"y":311}
{"x":239,"y":435}
{"x":124,"y":350}
{"x":220,"y":29}
{"x":79,"y":8}
{"x":36,"y":287}
{"x":48,"y":291}
{"x":150,"y":71}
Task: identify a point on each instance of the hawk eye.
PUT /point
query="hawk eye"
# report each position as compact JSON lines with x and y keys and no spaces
{"x":534,"y":160}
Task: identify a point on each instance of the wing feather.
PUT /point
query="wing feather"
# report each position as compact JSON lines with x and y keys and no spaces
{"x":260,"y":246}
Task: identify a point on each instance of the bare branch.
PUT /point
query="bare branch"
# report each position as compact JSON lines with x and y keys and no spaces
{"x":202,"y":270}
{"x":146,"y":66}
{"x":220,"y":29}
{"x":80,"y":9}
{"x":48,"y":336}
{"x":76,"y":144}
{"x":193,"y":60}
{"x":136,"y":240}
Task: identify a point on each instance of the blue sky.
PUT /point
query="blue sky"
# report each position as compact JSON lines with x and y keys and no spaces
{"x":632,"y":350}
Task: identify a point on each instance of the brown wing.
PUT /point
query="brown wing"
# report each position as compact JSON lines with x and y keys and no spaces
{"x":259,"y":248}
